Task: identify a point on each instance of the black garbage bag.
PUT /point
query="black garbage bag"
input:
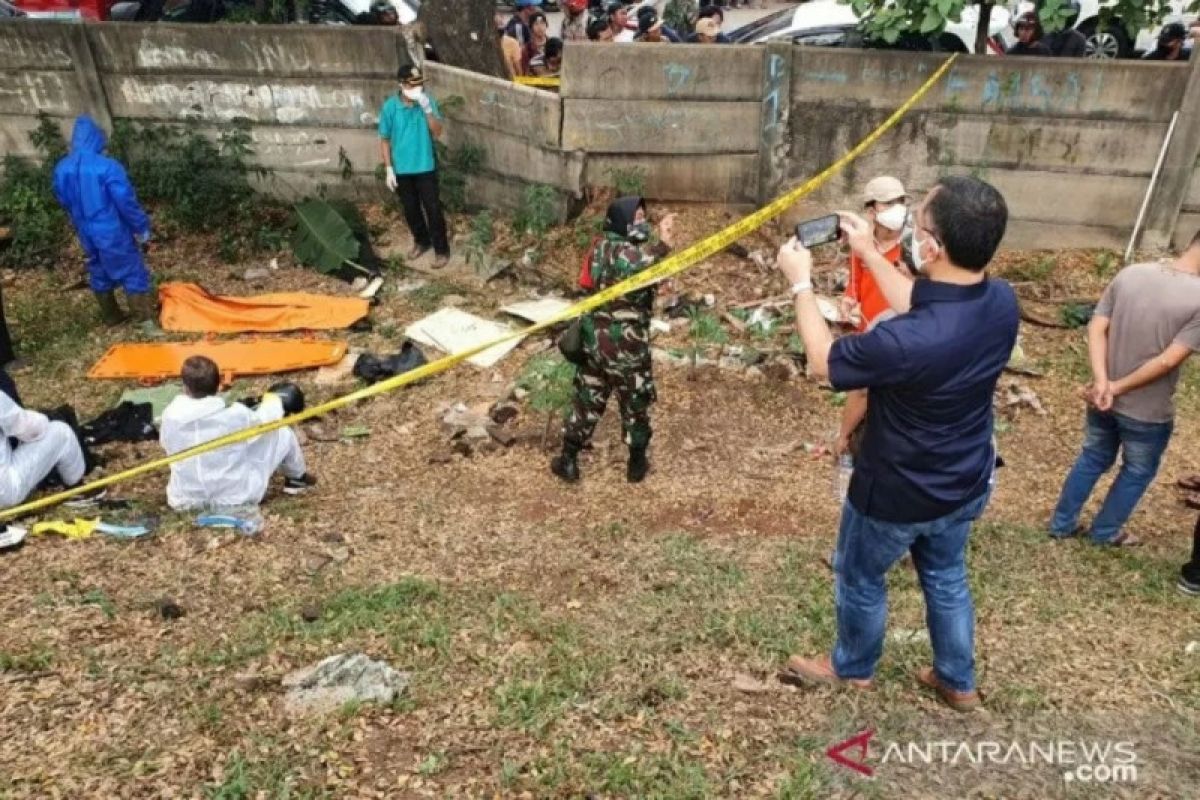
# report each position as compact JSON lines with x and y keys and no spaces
{"x":127,"y":422}
{"x":372,"y":368}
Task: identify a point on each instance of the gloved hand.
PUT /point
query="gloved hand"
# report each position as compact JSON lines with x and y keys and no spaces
{"x":423,"y":102}
{"x":290,"y":397}
{"x":391,"y":179}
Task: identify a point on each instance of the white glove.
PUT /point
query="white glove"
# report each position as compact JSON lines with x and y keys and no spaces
{"x":391,"y":179}
{"x":29,"y":426}
{"x":423,"y":102}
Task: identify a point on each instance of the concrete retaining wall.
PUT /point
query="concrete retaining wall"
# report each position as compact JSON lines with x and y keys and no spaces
{"x":1071,"y":143}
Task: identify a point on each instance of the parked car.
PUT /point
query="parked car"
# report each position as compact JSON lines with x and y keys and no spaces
{"x":829,"y":23}
{"x":64,"y":9}
{"x":1111,"y":40}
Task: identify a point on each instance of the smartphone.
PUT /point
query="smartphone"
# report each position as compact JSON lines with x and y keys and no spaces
{"x":819,"y":231}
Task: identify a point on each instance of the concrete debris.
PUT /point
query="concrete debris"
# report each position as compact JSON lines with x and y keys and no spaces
{"x":340,"y":679}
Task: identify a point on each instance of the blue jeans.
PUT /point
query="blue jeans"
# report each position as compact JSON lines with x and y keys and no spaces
{"x":866,"y":549}
{"x":1141,"y":444}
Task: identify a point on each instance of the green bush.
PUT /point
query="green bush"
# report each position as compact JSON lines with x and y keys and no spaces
{"x":537,"y":212}
{"x":37,"y":223}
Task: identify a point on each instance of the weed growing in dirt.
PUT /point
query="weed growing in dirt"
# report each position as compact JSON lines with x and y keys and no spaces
{"x":628,"y":182}
{"x":36,"y":222}
{"x":587,"y":228}
{"x":33,"y":661}
{"x":1035,"y":271}
{"x":537,"y":213}
{"x":704,"y":329}
{"x":549,"y":379}
{"x":1107,"y":264}
{"x":243,"y":779}
{"x":1076,"y":315}
{"x":429,"y":297}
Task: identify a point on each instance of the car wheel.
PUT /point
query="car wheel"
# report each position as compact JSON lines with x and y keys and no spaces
{"x":1111,"y":42}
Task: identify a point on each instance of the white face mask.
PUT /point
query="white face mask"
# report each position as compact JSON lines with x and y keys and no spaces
{"x":412,"y":94}
{"x":918,"y":260}
{"x":893,"y":218}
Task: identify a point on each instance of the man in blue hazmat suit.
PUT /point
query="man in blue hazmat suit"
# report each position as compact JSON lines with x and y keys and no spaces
{"x":103,"y":207}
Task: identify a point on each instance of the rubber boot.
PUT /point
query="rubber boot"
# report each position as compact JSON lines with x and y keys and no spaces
{"x":110,"y":311}
{"x":566,"y":465}
{"x":144,"y":308}
{"x":639,"y":465}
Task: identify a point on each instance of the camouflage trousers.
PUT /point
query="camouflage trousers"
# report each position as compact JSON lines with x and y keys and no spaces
{"x":618,"y":364}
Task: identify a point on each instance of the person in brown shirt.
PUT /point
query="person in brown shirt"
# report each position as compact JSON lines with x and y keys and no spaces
{"x":1146,"y":325}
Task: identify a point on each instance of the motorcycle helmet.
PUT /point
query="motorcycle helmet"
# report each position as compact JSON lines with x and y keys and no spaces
{"x":290,"y":395}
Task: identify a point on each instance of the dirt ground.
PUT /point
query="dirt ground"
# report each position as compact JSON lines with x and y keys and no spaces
{"x":602,"y":640}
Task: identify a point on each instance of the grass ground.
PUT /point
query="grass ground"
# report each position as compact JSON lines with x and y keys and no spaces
{"x":600,"y":640}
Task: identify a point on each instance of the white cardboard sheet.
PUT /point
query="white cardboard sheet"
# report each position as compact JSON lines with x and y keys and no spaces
{"x":452,"y":331}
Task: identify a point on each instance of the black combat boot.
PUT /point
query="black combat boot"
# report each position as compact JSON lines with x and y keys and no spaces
{"x":639,"y":465}
{"x":566,"y":465}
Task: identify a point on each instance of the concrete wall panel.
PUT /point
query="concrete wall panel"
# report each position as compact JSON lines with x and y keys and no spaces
{"x":488,"y":102}
{"x":723,"y":179}
{"x":651,"y":126}
{"x":35,"y":44}
{"x":669,"y":72}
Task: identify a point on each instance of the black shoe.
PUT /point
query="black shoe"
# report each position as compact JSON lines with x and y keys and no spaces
{"x":298,"y":486}
{"x":639,"y":465}
{"x":566,"y":466}
{"x":1190,"y":588}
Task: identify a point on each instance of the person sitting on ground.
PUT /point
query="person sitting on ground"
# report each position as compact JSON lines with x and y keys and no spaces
{"x":1029,"y":37}
{"x":706,"y":32}
{"x":103,"y":207}
{"x":549,"y":62}
{"x":599,"y":30}
{"x":616,"y":340}
{"x":31,"y":448}
{"x":717,"y":15}
{"x":237,"y":474}
{"x":864,"y":305}
{"x":1170,"y":44}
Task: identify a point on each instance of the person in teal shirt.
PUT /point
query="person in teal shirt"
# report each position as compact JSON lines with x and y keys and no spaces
{"x":408,"y":123}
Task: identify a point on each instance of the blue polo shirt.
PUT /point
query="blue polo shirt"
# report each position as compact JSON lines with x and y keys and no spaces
{"x":927,"y":449}
{"x":405,"y":127}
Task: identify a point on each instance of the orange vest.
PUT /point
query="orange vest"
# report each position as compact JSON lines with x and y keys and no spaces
{"x":863,"y":288}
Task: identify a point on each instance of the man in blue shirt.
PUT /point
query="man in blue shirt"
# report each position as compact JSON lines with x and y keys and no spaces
{"x":408,"y":124}
{"x":925,"y":466}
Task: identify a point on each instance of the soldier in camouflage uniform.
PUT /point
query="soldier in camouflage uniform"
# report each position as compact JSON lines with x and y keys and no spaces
{"x":616,"y":340}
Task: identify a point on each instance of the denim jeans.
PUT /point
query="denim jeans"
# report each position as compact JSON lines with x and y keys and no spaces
{"x":866,"y":549}
{"x":1141,"y":444}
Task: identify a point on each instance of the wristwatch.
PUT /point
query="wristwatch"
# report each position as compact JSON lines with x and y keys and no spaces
{"x":801,"y":286}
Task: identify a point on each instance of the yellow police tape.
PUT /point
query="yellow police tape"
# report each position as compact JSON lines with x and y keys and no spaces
{"x":663,"y":269}
{"x":532,"y":80}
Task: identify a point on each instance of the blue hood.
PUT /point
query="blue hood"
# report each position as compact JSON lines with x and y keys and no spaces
{"x":87,"y":136}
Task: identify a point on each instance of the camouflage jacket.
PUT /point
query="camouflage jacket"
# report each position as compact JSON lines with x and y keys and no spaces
{"x":613,"y":260}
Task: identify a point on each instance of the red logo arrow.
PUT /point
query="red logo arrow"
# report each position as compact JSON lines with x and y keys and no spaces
{"x":838,"y":752}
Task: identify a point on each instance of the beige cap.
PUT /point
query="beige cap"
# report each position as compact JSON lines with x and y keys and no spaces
{"x":883,"y":189}
{"x":708,"y":26}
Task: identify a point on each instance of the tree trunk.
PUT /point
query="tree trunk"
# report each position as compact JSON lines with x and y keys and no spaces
{"x":981,"y":32}
{"x":463,"y":34}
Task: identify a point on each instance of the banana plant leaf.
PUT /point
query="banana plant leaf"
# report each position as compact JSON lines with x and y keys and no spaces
{"x":322,"y":238}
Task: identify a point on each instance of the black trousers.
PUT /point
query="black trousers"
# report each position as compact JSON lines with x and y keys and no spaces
{"x":1191,"y":570}
{"x":423,"y":210}
{"x":7,"y":354}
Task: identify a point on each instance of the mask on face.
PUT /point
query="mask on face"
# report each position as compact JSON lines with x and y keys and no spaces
{"x":639,"y":232}
{"x":918,"y":260}
{"x":892,"y":218}
{"x":412,"y":94}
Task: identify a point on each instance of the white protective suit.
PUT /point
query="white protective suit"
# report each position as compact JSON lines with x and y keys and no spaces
{"x":43,"y":446}
{"x":234,"y":475}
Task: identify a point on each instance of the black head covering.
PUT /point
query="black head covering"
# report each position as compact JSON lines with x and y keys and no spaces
{"x":620,"y":214}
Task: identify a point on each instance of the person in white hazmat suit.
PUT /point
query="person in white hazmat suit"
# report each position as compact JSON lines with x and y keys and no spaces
{"x":238,"y":474}
{"x":42,"y":446}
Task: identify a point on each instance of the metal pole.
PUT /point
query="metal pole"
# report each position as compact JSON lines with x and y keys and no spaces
{"x":1162,"y":154}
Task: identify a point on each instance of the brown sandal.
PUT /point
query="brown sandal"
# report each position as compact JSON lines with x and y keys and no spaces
{"x":1191,"y":483}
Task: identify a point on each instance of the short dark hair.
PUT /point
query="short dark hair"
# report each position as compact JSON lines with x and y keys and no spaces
{"x":968,"y":216}
{"x":554,"y":47}
{"x":596,"y":26}
{"x":534,"y":19}
{"x":711,"y":11}
{"x":200,"y":376}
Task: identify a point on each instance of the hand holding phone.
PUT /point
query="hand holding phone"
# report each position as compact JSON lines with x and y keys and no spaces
{"x":819,"y":231}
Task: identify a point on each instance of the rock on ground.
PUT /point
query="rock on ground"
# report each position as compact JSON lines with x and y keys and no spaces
{"x":340,"y":679}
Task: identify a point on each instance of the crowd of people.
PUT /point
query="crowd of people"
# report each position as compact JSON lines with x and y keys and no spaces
{"x":528,"y":49}
{"x":1174,"y":40}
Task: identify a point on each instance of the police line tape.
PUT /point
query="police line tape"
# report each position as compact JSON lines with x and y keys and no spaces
{"x":533,"y":80}
{"x":671,"y":265}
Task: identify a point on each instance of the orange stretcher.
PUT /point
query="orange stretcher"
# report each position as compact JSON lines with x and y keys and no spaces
{"x":162,"y":360}
{"x":188,"y":307}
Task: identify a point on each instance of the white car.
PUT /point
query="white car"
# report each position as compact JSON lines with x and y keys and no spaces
{"x":1112,"y":40}
{"x":829,"y":23}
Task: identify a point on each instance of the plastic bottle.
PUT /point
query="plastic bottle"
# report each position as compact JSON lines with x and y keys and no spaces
{"x":843,"y":468}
